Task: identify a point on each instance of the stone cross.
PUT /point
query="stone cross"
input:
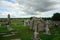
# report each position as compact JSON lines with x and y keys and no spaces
{"x":36,"y":33}
{"x":47,"y":28}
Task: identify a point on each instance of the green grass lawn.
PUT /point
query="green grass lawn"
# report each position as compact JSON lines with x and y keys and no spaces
{"x":25,"y":33}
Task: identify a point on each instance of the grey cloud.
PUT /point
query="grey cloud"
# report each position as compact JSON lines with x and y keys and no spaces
{"x":37,"y":5}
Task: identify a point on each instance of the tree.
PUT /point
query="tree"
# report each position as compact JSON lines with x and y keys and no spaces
{"x":56,"y":17}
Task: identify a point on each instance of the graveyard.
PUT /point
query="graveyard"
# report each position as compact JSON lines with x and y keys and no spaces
{"x":24,"y":32}
{"x":29,"y":19}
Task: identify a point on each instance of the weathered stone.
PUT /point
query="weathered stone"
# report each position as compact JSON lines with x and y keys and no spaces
{"x":26,"y":22}
{"x":15,"y":39}
{"x":7,"y":35}
{"x":36,"y":33}
{"x":41,"y":24}
{"x":10,"y":29}
{"x":47,"y":30}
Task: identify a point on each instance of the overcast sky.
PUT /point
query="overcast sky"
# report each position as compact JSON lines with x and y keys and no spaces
{"x":28,"y":8}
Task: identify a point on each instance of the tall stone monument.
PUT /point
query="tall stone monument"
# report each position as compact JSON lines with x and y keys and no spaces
{"x":41,"y":26}
{"x":47,"y":31}
{"x":8,"y":22}
{"x":8,"y":25}
{"x":36,"y":33}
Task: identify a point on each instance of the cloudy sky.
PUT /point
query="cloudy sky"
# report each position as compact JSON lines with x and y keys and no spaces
{"x":28,"y":8}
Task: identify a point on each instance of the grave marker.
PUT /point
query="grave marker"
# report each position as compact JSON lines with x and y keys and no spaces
{"x":26,"y":22}
{"x":8,"y":25}
{"x":47,"y":28}
{"x":36,"y":33}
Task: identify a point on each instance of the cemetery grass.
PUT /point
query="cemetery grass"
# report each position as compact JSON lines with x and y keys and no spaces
{"x":24,"y":33}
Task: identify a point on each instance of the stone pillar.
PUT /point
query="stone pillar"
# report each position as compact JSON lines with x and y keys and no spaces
{"x":8,"y":23}
{"x":8,"y":19}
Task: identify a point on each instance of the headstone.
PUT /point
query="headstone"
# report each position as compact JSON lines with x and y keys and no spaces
{"x":8,"y":20}
{"x":47,"y":31}
{"x":26,"y":22}
{"x":39,"y":21}
{"x":36,"y":33}
{"x":8,"y":23}
{"x":10,"y":29}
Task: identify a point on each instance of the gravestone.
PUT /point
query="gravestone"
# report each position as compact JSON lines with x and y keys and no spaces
{"x":47,"y":31}
{"x":35,"y":25}
{"x":40,"y":26}
{"x":36,"y":33}
{"x":26,"y":22}
{"x":8,"y":23}
{"x":10,"y":29}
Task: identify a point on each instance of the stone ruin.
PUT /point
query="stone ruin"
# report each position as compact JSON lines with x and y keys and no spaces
{"x":42,"y":25}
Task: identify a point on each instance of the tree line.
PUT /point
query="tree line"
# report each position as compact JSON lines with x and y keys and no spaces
{"x":55,"y":17}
